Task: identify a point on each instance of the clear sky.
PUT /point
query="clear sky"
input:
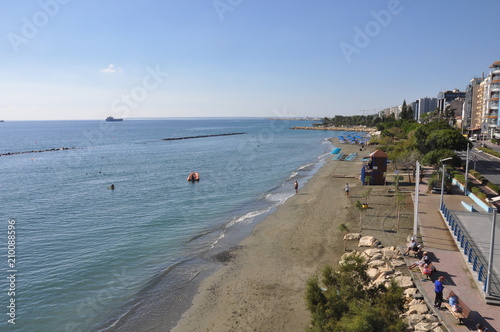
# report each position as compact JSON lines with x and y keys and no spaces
{"x":75,"y":59}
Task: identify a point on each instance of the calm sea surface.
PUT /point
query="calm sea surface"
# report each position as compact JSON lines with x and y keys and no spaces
{"x":91,"y":258}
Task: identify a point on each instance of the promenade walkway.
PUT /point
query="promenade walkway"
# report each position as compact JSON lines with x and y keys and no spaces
{"x":450,"y":263}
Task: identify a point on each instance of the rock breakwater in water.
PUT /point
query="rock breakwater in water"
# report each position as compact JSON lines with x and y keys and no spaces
{"x":200,"y":136}
{"x":34,"y":151}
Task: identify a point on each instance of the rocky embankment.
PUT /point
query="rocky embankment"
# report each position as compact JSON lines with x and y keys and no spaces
{"x":386,"y":264}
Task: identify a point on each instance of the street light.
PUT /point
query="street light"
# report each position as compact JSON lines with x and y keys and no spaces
{"x":442,"y":182}
{"x":466,"y":168}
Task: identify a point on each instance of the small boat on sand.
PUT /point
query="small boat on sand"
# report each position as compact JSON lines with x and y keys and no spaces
{"x":193,"y":176}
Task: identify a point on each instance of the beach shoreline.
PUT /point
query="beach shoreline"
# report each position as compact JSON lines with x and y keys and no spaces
{"x":261,"y":287}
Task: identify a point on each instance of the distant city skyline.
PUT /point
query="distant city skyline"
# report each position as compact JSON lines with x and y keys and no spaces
{"x":64,"y":59}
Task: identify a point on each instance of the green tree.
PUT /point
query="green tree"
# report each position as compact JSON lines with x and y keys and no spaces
{"x":433,"y":157}
{"x":451,"y":139}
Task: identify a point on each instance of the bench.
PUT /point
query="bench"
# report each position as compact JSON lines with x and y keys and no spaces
{"x":463,"y":314}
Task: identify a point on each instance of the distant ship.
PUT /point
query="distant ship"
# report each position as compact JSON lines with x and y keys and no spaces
{"x":110,"y":118}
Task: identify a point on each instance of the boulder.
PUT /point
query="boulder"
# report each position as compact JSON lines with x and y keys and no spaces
{"x":377,"y":257}
{"x":373,"y":273}
{"x":376,"y":263}
{"x":438,"y":329}
{"x":414,"y":319}
{"x":373,"y":252}
{"x":425,"y":326}
{"x":390,"y":253}
{"x":431,"y":318}
{"x":418,"y":309}
{"x":352,"y":236}
{"x":397,"y":262}
{"x":366,"y":241}
{"x":404,"y":282}
{"x":410,"y":292}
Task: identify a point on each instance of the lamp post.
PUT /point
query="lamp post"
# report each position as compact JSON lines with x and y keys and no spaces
{"x":466,"y":168}
{"x":442,"y":182}
{"x":415,"y":209}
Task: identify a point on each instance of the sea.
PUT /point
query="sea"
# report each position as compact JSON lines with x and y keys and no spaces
{"x":77,"y":255}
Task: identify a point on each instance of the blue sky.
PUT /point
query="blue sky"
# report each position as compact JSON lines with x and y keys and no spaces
{"x":73,"y":59}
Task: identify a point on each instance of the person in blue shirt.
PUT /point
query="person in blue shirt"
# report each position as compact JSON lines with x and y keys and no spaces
{"x":438,"y":289}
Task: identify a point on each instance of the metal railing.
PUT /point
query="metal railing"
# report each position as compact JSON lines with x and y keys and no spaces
{"x":474,"y":256}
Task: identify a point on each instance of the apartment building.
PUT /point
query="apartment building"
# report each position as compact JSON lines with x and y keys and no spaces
{"x":491,"y":93}
{"x":422,"y":106}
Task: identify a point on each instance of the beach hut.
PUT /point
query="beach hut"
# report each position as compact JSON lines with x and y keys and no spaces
{"x":375,"y":168}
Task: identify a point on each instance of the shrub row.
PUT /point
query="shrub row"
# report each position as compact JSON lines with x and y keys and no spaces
{"x":483,"y":180}
{"x":490,"y":151}
{"x":477,"y":175}
{"x":493,"y":187}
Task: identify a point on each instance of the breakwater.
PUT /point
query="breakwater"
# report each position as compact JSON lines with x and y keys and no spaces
{"x":34,"y":151}
{"x":200,"y":136}
{"x":363,"y":129}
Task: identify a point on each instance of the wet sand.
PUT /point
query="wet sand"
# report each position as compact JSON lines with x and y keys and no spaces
{"x":262,"y":287}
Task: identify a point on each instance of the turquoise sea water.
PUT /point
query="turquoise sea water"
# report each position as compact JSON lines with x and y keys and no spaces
{"x":90,"y":258}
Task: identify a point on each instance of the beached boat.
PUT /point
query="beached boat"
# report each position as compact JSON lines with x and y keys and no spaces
{"x":110,"y":118}
{"x":193,"y":176}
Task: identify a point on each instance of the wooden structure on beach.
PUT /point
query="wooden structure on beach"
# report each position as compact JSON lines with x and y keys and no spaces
{"x":375,"y":168}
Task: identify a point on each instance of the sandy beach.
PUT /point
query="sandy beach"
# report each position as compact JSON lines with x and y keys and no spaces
{"x":262,"y":287}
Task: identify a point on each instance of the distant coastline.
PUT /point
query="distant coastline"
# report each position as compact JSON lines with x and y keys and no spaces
{"x":363,"y":129}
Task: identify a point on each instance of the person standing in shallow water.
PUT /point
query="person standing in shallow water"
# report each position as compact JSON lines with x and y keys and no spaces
{"x":346,"y":189}
{"x":296,"y":186}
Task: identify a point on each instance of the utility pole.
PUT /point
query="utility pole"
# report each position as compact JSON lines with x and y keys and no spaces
{"x":415,"y":211}
{"x":467,"y":168}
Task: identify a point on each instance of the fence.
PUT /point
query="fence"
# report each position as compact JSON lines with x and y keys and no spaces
{"x":474,"y":256}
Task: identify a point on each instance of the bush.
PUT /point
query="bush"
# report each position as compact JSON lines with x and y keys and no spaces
{"x":493,"y":187}
{"x":481,"y":196}
{"x":490,"y":151}
{"x":350,"y":304}
{"x":459,"y":177}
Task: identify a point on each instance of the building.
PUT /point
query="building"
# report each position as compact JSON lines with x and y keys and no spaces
{"x":472,"y":110}
{"x":489,"y":106}
{"x":386,"y":112}
{"x":446,"y":97}
{"x":422,"y":106}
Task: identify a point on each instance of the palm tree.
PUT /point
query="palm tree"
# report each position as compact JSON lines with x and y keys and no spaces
{"x":343,"y":229}
{"x":359,"y":206}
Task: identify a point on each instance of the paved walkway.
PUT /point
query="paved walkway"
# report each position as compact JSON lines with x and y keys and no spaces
{"x":450,"y":263}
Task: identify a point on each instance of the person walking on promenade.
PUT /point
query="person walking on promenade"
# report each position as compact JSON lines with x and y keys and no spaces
{"x":438,"y":289}
{"x":346,"y":189}
{"x":296,"y":186}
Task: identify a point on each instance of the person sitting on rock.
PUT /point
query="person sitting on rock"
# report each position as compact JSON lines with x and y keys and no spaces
{"x":412,"y":246}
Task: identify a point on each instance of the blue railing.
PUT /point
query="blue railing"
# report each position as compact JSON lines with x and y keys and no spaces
{"x":474,"y":256}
